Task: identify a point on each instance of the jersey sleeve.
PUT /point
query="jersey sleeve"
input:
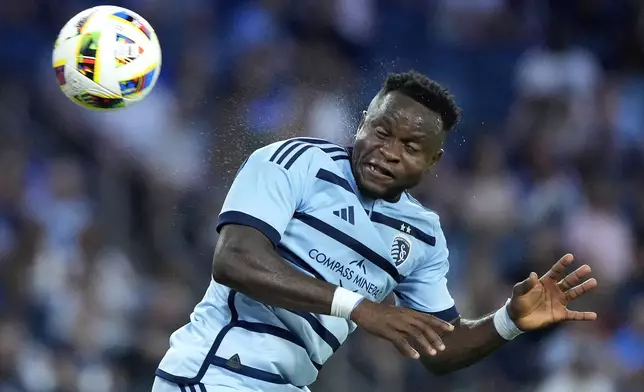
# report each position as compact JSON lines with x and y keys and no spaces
{"x":265,"y":193}
{"x":425,"y":289}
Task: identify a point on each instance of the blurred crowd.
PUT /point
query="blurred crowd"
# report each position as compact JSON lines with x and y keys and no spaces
{"x":107,"y":219}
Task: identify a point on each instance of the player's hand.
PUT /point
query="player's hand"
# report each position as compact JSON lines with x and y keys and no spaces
{"x":405,"y":328}
{"x":539,"y":302}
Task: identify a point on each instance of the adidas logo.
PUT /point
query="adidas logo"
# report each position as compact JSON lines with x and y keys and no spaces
{"x":234,"y":362}
{"x":346,"y":214}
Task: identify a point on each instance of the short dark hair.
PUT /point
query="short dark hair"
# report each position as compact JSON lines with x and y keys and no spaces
{"x":427,"y":92}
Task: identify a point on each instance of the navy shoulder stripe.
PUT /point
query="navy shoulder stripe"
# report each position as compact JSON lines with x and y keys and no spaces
{"x":403,"y":227}
{"x":296,"y":155}
{"x":335,"y":179}
{"x":329,"y":150}
{"x":289,"y":151}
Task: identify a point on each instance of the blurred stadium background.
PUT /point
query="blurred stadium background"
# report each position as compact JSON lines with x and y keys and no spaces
{"x":106,"y":220}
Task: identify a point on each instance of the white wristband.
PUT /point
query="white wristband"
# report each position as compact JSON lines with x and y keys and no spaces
{"x":344,"y":301}
{"x":504,"y":324}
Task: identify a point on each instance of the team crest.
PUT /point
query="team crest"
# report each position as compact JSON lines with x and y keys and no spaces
{"x":400,"y":249}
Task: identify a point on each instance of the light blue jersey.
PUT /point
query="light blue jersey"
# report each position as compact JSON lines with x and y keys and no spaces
{"x":302,"y":195}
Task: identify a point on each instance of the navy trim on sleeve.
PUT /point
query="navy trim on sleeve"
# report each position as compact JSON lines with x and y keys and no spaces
{"x":445,"y":315}
{"x":241,"y":218}
{"x":450,"y":314}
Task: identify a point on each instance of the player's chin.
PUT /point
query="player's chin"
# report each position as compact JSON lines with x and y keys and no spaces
{"x":377,"y":187}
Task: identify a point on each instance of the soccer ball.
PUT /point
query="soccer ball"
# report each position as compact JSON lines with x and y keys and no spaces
{"x":106,"y":58}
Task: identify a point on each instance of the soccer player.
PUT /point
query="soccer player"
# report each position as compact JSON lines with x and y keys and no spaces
{"x":315,"y":239}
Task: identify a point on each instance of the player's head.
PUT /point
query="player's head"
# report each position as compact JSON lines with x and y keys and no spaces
{"x":401,"y":134}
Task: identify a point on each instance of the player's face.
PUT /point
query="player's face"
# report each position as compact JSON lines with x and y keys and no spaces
{"x":398,"y":141}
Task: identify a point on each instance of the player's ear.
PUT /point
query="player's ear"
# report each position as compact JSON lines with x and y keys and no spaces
{"x":435,"y":158}
{"x":362,"y":120}
{"x":364,"y":116}
{"x":439,"y":154}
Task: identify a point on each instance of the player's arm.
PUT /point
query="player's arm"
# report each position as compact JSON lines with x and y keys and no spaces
{"x":471,"y":341}
{"x":259,"y":205}
{"x":257,"y":210}
{"x":535,"y":303}
{"x":245,"y":260}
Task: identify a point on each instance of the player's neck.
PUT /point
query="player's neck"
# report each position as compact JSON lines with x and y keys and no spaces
{"x":371,"y":197}
{"x":394,"y":199}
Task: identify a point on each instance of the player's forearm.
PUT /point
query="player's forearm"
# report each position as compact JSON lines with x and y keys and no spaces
{"x":471,"y":341}
{"x":273,"y":282}
{"x":262,"y":275}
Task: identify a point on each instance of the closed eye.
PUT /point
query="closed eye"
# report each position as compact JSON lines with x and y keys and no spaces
{"x":412,"y":148}
{"x":381,"y":132}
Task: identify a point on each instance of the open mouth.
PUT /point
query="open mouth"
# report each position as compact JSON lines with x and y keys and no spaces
{"x":379,"y":170}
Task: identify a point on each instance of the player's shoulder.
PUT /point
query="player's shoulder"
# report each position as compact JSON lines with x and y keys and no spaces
{"x":301,"y":151}
{"x":428,"y":222}
{"x":429,"y":218}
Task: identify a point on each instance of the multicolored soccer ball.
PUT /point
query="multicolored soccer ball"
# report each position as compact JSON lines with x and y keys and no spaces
{"x":107,"y":58}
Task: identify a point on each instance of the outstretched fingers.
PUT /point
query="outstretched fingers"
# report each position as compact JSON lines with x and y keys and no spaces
{"x":572,"y":315}
{"x":574,"y":278}
{"x":580,"y":289}
{"x":559,"y":268}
